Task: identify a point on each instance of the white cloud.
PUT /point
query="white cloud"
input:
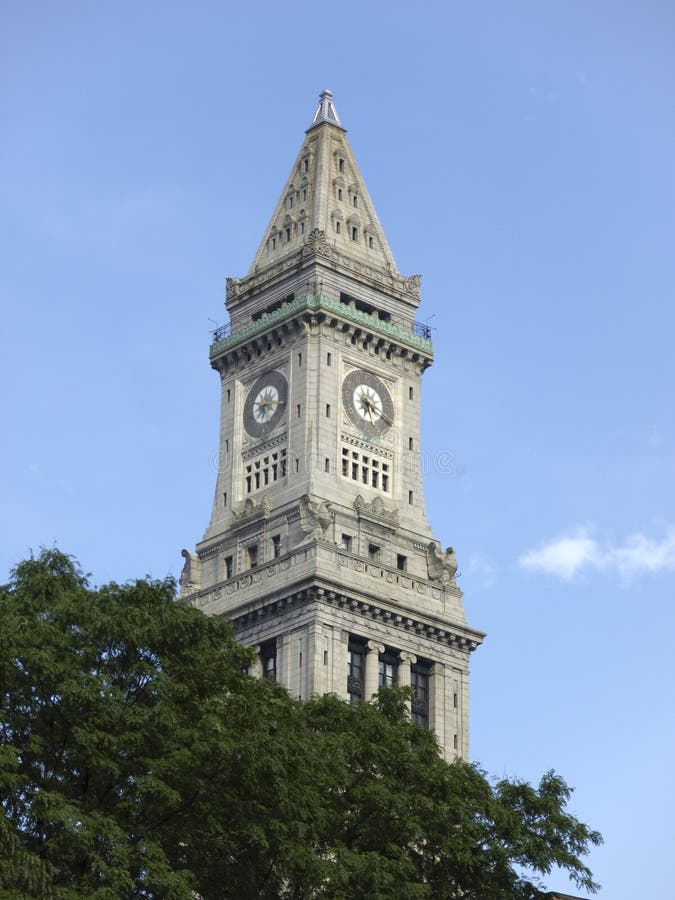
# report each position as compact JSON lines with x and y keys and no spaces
{"x":643,"y":554}
{"x":570,"y":555}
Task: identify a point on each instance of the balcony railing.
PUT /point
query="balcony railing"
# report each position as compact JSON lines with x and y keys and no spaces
{"x":221,"y":332}
{"x":394,"y":326}
{"x":422,"y":330}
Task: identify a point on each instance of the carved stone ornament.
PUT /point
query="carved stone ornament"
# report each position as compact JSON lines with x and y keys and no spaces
{"x":375,"y":510}
{"x":441,"y":566}
{"x":314,"y":517}
{"x":191,"y":576}
{"x":317,"y":243}
{"x":253,"y":508}
{"x":412,"y":284}
{"x":232,"y":286}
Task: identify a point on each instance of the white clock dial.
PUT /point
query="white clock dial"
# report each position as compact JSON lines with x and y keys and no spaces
{"x":265,"y":404}
{"x":367,"y":403}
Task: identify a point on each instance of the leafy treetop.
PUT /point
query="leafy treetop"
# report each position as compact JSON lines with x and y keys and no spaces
{"x":137,"y":759}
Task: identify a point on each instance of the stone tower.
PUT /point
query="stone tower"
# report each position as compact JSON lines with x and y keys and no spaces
{"x":318,"y":548}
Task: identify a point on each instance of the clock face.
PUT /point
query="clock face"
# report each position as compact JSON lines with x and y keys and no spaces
{"x":265,"y":404}
{"x":367,"y":402}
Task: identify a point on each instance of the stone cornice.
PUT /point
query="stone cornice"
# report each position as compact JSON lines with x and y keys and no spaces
{"x":318,"y":303}
{"x":453,"y":635}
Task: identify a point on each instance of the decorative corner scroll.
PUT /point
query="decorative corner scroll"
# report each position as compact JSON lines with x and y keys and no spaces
{"x":441,"y":566}
{"x":191,"y":575}
{"x":412,"y":284}
{"x":232,"y":287}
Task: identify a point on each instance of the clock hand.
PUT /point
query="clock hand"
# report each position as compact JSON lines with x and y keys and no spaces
{"x":380,"y":412}
{"x":372,"y":406}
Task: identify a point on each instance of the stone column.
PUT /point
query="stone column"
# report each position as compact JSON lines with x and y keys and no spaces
{"x":370,"y":680}
{"x":437,"y":706}
{"x":339,"y":664}
{"x":256,"y":667}
{"x":406,"y":660}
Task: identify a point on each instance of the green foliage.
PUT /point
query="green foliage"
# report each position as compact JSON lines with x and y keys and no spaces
{"x":138,"y":760}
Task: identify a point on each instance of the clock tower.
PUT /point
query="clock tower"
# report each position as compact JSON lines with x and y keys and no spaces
{"x":318,"y":549}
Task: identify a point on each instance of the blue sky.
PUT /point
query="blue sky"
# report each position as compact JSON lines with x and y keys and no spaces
{"x":520,"y":156}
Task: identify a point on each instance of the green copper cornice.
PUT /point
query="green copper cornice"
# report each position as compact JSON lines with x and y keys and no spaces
{"x":315,"y":303}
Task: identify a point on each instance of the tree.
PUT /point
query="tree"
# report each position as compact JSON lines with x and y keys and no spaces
{"x":137,"y":759}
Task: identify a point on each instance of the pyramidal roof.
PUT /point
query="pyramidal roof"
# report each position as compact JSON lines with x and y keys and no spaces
{"x":325,"y":192}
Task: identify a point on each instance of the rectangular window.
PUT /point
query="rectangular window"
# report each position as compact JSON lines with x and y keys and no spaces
{"x":252,"y":556}
{"x":337,"y":228}
{"x":297,"y":465}
{"x":328,"y":410}
{"x":326,"y":464}
{"x":265,"y":470}
{"x":374,"y":552}
{"x":401,"y":562}
{"x":454,"y":741}
{"x":355,"y":201}
{"x":410,"y":497}
{"x":341,"y":164}
{"x":410,"y":443}
{"x":298,"y":410}
{"x":370,"y":243}
{"x":276,"y":546}
{"x":339,"y":194}
{"x":411,"y":393}
{"x":228,"y":395}
{"x":228,"y":567}
{"x":454,"y":700}
{"x":355,"y":233}
{"x":299,"y":359}
{"x":386,"y":671}
{"x":328,"y":359}
{"x":419,"y":682}
{"x":369,"y":470}
{"x":355,"y":672}
{"x":347,"y":542}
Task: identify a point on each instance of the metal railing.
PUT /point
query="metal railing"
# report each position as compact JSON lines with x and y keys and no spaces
{"x":420,"y":329}
{"x":221,"y":332}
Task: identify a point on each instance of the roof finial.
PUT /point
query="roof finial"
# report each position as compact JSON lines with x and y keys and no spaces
{"x":325,"y":111}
